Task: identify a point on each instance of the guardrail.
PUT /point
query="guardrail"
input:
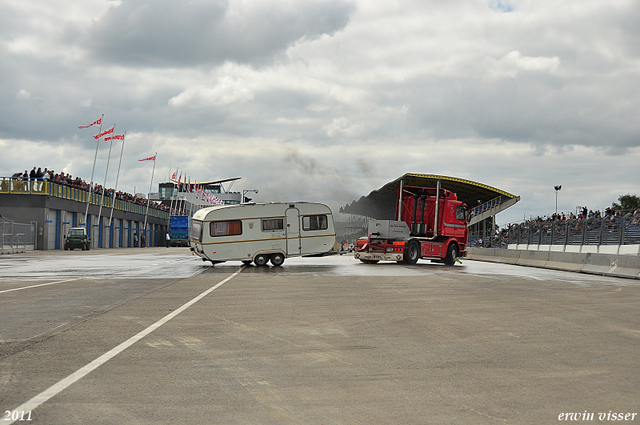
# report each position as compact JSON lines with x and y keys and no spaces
{"x":487,"y":206}
{"x":42,"y":187}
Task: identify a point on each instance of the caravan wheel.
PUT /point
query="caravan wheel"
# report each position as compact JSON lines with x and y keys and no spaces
{"x":261,"y":260}
{"x":277,"y":259}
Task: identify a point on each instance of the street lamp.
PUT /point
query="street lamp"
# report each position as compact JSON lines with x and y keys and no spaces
{"x":244,"y":192}
{"x":557,"y":188}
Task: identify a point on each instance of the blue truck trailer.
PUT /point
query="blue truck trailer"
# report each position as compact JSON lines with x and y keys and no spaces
{"x":179,"y":230}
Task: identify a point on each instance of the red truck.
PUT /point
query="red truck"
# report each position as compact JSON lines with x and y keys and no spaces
{"x":432,"y":224}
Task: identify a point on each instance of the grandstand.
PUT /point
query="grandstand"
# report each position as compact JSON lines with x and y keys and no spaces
{"x":54,"y":206}
{"x":484,"y":201}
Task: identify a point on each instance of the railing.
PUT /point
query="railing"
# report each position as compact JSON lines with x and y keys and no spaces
{"x":609,"y":230}
{"x":487,"y":206}
{"x":43,"y":187}
{"x":16,"y":237}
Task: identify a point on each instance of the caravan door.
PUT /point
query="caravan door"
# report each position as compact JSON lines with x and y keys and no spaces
{"x":292,"y":216}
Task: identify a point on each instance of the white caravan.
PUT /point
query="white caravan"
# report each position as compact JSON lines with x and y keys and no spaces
{"x":262,"y":232}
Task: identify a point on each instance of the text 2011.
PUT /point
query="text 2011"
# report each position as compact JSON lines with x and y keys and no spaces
{"x":17,"y":415}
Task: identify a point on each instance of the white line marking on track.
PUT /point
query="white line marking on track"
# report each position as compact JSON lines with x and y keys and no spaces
{"x":84,"y":371}
{"x":35,"y":286}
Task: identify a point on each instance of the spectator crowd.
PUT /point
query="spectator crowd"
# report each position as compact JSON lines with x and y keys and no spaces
{"x":66,"y":179}
{"x":500,"y":238}
{"x":584,"y":213}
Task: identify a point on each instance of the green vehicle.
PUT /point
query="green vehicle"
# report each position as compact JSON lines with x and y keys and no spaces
{"x":77,"y":238}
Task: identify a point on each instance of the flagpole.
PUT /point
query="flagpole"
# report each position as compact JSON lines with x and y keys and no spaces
{"x":181,"y":201}
{"x":86,"y":212}
{"x":175,"y":206}
{"x":186,"y":198}
{"x":117,"y":177}
{"x":144,"y":228}
{"x":173,"y":198}
{"x":189,"y":197}
{"x":187,"y":183}
{"x":105,"y":179}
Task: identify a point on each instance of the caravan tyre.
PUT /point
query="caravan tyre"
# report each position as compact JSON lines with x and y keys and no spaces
{"x":261,"y":260}
{"x":277,"y":259}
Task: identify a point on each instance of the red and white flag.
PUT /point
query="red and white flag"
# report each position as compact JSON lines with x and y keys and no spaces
{"x":104,"y":133}
{"x":116,"y":137}
{"x":151,"y":158}
{"x":173,"y":177}
{"x":95,"y":123}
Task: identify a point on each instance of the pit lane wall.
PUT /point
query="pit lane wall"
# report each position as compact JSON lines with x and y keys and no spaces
{"x":617,"y":261}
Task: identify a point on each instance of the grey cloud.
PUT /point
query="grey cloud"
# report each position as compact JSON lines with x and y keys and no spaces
{"x":166,"y":33}
{"x":532,"y":109}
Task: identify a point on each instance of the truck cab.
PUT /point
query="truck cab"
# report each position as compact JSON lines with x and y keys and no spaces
{"x":432,"y":224}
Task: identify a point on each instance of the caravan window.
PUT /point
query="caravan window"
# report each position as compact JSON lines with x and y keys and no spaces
{"x":314,"y":222}
{"x":225,"y":228}
{"x":272,"y":224}
{"x":196,"y":230}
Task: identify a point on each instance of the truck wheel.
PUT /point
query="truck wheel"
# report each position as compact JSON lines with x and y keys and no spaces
{"x":412,"y":252}
{"x":452,"y":254}
{"x":261,"y":260}
{"x":277,"y":259}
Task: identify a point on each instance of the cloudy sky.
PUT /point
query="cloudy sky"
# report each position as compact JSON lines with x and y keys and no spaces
{"x":326,"y":100}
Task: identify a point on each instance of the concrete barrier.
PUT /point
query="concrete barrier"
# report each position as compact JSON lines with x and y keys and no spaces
{"x":613,"y":265}
{"x":609,"y":249}
{"x":508,"y":256}
{"x":533,"y":258}
{"x":617,"y":265}
{"x":568,"y":261}
{"x":629,"y":250}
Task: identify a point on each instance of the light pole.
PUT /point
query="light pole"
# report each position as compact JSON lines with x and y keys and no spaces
{"x":557,"y":188}
{"x":244,"y":192}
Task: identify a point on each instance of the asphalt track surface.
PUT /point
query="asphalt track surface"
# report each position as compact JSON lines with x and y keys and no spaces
{"x":156,"y":336}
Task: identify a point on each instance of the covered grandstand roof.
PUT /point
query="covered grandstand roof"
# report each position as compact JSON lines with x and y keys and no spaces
{"x":381,"y":203}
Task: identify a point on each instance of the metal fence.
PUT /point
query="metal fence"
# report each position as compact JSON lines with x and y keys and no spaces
{"x":16,"y":237}
{"x":609,"y":230}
